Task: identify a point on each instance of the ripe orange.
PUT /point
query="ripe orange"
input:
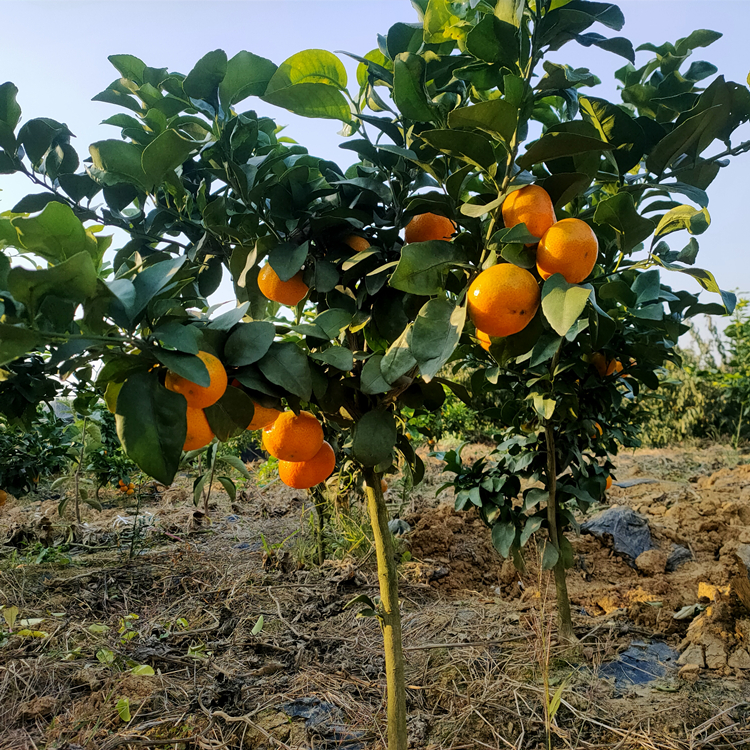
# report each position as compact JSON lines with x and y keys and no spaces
{"x":124,"y":488}
{"x":383,"y":486}
{"x":305,"y":474}
{"x":425,"y":227}
{"x":356,"y":242}
{"x":285,"y":292}
{"x":609,"y":483}
{"x":199,"y":432}
{"x":604,"y":366}
{"x":294,"y":437}
{"x":131,"y":486}
{"x":121,"y":483}
{"x":263,"y":417}
{"x":199,"y":396}
{"x":503,"y":299}
{"x":129,"y":492}
{"x":484,"y":340}
{"x":597,"y":429}
{"x":568,"y":247}
{"x":3,"y":497}
{"x":531,"y":205}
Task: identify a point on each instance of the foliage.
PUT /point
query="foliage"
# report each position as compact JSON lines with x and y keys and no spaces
{"x":31,"y":454}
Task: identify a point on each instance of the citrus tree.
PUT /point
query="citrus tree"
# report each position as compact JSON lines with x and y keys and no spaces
{"x":337,"y":317}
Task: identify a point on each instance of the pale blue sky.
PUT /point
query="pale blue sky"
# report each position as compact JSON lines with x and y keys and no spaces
{"x":57,"y":53}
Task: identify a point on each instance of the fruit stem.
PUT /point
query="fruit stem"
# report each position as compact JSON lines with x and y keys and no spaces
{"x":390,"y":615}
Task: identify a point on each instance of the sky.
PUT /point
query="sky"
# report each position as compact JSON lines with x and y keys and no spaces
{"x":56,"y":53}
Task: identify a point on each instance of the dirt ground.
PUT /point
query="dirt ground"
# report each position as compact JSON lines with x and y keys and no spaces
{"x":222,"y":632}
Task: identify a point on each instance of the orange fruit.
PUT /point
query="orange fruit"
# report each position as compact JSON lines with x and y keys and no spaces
{"x":131,"y":486}
{"x":604,"y":366}
{"x":199,"y":432}
{"x":294,"y":437}
{"x":503,"y":299}
{"x":425,"y":227}
{"x":199,"y":396}
{"x":568,"y":247}
{"x":484,"y":340}
{"x":120,"y":483}
{"x":609,"y":483}
{"x":597,"y":429}
{"x":383,"y":486}
{"x":124,"y":488}
{"x":129,"y":492}
{"x":356,"y":242}
{"x":531,"y":205}
{"x":263,"y":417}
{"x":285,"y":292}
{"x":3,"y":497}
{"x":305,"y":474}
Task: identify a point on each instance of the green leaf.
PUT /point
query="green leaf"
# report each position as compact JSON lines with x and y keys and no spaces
{"x":503,"y":536}
{"x":73,"y":280}
{"x":164,"y":154}
{"x":374,"y":438}
{"x":143,"y":670}
{"x":497,"y":117}
{"x":311,"y":100}
{"x":55,"y":234}
{"x":562,"y":303}
{"x":550,"y":556}
{"x":683,"y":217}
{"x":371,"y":380}
{"x":494,"y":41}
{"x":258,"y":626}
{"x":438,"y":20}
{"x":409,"y":91}
{"x":202,"y":82}
{"x":332,"y":322}
{"x":533,"y":524}
{"x":544,"y":349}
{"x":398,"y":360}
{"x":15,"y":341}
{"x":121,"y":162}
{"x":467,"y":146}
{"x":698,"y":38}
{"x":248,"y":343}
{"x":544,"y":407}
{"x":423,"y":267}
{"x":337,"y":356}
{"x":247,"y":75}
{"x":184,"y":338}
{"x":151,"y":425}
{"x":285,"y":364}
{"x":10,"y":111}
{"x":286,"y":259}
{"x":123,"y":708}
{"x":689,"y":253}
{"x":435,"y":335}
{"x":231,"y":414}
{"x":129,"y":66}
{"x":681,"y":139}
{"x":309,"y":66}
{"x":188,"y":366}
{"x":619,"y":212}
{"x":617,"y":128}
{"x":554,"y":145}
{"x":151,"y":281}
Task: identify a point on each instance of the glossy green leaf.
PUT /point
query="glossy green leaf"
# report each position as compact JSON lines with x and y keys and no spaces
{"x":73,"y":280}
{"x":409,"y":92}
{"x":183,"y":338}
{"x":151,"y":425}
{"x":337,"y":356}
{"x":398,"y":360}
{"x":287,"y":258}
{"x":15,"y":341}
{"x":129,"y":66}
{"x":494,"y":41}
{"x":683,"y":217}
{"x":311,"y":100}
{"x":619,"y":212}
{"x":554,"y":145}
{"x":246,"y":75}
{"x":187,"y":366}
{"x":423,"y":267}
{"x":550,"y":556}
{"x":617,"y":128}
{"x":309,"y":66}
{"x":202,"y":82}
{"x":164,"y":154}
{"x":231,"y":414}
{"x":248,"y":343}
{"x":10,"y":111}
{"x":503,"y":536}
{"x":372,"y":381}
{"x":435,"y":335}
{"x":285,"y":364}
{"x":121,"y":162}
{"x":562,"y":303}
{"x":374,"y":438}
{"x":467,"y":146}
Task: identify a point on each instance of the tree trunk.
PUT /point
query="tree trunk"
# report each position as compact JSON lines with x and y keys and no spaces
{"x":391,"y":615}
{"x":564,"y":621}
{"x":319,"y":517}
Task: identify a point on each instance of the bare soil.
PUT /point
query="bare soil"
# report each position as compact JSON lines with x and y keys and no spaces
{"x":479,"y":637}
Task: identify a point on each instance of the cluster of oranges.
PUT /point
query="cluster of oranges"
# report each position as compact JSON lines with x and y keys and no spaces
{"x":305,"y":458}
{"x":504,"y":298}
{"x":127,"y":488}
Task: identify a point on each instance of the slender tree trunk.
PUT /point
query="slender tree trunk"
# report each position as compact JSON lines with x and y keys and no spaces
{"x":564,"y":621}
{"x":391,"y":615}
{"x":210,"y":486}
{"x":78,"y":471}
{"x":319,"y":518}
